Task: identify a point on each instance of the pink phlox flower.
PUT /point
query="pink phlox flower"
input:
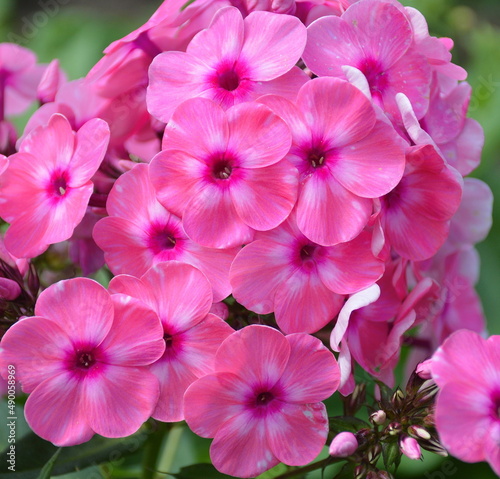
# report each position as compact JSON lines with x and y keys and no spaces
{"x":19,"y":78}
{"x":233,"y":61}
{"x":140,"y":234}
{"x":310,"y":10}
{"x":46,"y":188}
{"x":262,"y":403}
{"x":415,"y":215}
{"x":301,"y":281}
{"x":182,"y":297}
{"x":223,"y":173}
{"x":466,"y":367}
{"x":83,"y":360}
{"x":344,"y":154}
{"x":376,"y":38}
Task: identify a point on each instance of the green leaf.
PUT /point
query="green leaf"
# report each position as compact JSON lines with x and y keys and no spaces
{"x":347,"y":472}
{"x":47,"y":469}
{"x":346,"y":423}
{"x":207,"y":471}
{"x":391,"y":454}
{"x":274,"y":472}
{"x":33,"y":453}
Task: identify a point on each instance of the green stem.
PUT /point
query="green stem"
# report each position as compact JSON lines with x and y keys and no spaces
{"x":152,"y":449}
{"x":311,"y":467}
{"x":169,"y":450}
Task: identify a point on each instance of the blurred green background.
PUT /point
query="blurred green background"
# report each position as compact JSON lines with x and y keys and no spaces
{"x":76,"y":32}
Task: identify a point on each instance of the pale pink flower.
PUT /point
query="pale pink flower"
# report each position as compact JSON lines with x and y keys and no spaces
{"x":344,"y":154}
{"x":343,"y":445}
{"x":262,"y":403}
{"x":46,"y":188}
{"x":301,"y":281}
{"x":83,"y":360}
{"x":182,"y":297}
{"x":410,"y":447}
{"x":466,"y":368}
{"x":233,"y":61}
{"x":376,"y":38}
{"x":140,"y":234}
{"x":223,"y":171}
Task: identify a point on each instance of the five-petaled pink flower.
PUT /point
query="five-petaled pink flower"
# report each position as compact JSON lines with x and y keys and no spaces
{"x":46,"y":188}
{"x":182,"y":297}
{"x":262,"y":404}
{"x":223,"y":171}
{"x":83,"y":358}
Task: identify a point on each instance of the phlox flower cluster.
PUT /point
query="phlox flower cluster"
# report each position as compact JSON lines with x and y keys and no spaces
{"x":264,"y":183}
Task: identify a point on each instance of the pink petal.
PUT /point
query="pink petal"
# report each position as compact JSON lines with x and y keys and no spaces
{"x":222,"y":40}
{"x":256,"y":273}
{"x":212,"y":221}
{"x":52,"y":144}
{"x":183,"y":294}
{"x":258,"y":136}
{"x":463,"y":418}
{"x":80,"y":306}
{"x":240,"y":447}
{"x":350,"y":267}
{"x":304,"y":304}
{"x":302,"y":382}
{"x":337,"y":111}
{"x":329,"y":214}
{"x":132,"y":286}
{"x":255,"y":341}
{"x":267,"y":196}
{"x":176,"y":176}
{"x":298,"y":432}
{"x":372,"y":166}
{"x":37,"y":347}
{"x":287,"y":85}
{"x":136,"y":338}
{"x":178,"y":73}
{"x":211,"y":134}
{"x":213,"y":400}
{"x":120,"y":400}
{"x":90,"y":146}
{"x":56,"y":411}
{"x":464,"y":356}
{"x":356,"y":301}
{"x":273,"y":44}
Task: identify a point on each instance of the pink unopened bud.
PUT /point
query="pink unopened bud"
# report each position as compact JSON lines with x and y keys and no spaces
{"x":9,"y":289}
{"x":424,"y":369}
{"x":378,"y":417}
{"x":344,"y":444}
{"x":410,"y":447}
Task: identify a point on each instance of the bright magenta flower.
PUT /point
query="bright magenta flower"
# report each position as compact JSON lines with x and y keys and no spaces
{"x":223,"y":173}
{"x":466,"y":368}
{"x":233,"y":61}
{"x":345,"y":156}
{"x":83,"y":359}
{"x":182,"y":297}
{"x":45,"y":191}
{"x":262,"y":404}
{"x":142,"y":233}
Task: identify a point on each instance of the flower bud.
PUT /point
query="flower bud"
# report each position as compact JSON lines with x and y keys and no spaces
{"x":424,"y":369}
{"x":9,"y":289}
{"x":410,"y":447}
{"x":378,"y":417}
{"x":393,"y":429}
{"x":384,"y":475}
{"x":344,"y":444}
{"x":418,"y":432}
{"x":398,"y":399}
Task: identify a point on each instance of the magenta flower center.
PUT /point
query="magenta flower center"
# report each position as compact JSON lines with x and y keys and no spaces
{"x":162,"y":238}
{"x":58,"y":185}
{"x":222,"y":170}
{"x":169,"y":340}
{"x":375,"y":75}
{"x":85,"y":360}
{"x":307,"y":252}
{"x":264,"y":398}
{"x":229,"y":80}
{"x":316,"y":158}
